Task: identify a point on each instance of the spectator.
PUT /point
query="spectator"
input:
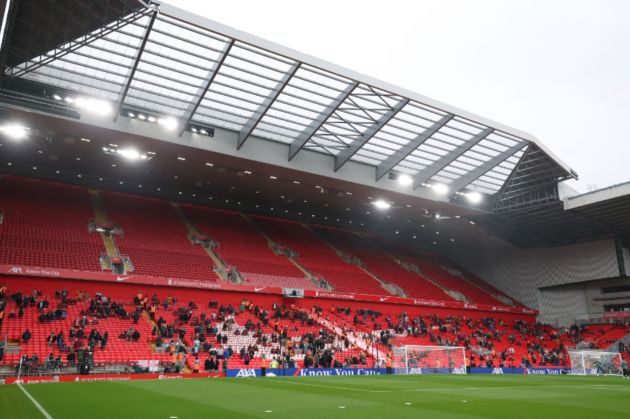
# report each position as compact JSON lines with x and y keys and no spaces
{"x":26,"y":336}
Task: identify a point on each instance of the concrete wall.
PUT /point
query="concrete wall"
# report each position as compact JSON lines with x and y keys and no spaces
{"x":562,"y":307}
{"x":521,"y":272}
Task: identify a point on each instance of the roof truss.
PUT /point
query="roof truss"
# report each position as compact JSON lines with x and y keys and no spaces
{"x":465,"y":180}
{"x":180,"y":65}
{"x":439,"y":164}
{"x":365,"y":136}
{"x":393,"y":160}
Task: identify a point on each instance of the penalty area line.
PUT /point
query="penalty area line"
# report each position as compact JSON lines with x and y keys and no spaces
{"x":35,"y":402}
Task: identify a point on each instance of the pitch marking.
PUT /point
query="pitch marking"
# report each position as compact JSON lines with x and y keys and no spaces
{"x":37,"y":405}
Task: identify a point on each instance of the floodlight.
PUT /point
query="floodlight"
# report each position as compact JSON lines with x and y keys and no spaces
{"x":382,"y":205}
{"x":15,"y":131}
{"x":405,"y":180}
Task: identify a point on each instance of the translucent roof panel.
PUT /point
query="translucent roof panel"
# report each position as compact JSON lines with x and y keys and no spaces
{"x":170,"y":62}
{"x":99,"y":68}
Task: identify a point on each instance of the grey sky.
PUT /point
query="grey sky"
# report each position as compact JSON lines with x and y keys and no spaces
{"x":557,"y":69}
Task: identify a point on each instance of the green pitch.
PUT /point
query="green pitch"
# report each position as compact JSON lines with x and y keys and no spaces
{"x":383,"y":397}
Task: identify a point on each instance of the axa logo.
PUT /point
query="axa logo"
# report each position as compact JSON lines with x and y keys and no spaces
{"x":248,"y":372}
{"x":497,"y":371}
{"x":15,"y":270}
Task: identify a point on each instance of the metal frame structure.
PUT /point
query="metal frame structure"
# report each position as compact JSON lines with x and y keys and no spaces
{"x":169,"y":62}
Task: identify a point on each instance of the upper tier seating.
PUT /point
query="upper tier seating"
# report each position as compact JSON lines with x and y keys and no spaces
{"x":155,"y":238}
{"x":46,"y":225}
{"x":473,"y":294}
{"x":383,"y":265}
{"x":319,"y":258}
{"x":240,"y":244}
{"x":440,"y":275}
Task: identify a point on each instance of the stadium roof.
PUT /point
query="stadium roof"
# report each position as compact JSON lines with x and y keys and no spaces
{"x":159,"y":59}
{"x":331,"y":139}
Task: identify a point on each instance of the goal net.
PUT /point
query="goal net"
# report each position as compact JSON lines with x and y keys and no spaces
{"x":413,"y":359}
{"x":595,"y":363}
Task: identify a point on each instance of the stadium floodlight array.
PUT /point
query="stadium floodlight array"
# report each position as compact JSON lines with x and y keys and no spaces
{"x":595,"y":363}
{"x":416,"y":359}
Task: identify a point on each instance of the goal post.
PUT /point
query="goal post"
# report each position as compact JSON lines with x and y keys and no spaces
{"x":595,"y":363}
{"x":416,"y":359}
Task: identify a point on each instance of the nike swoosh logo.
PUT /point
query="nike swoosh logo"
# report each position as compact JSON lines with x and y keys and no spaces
{"x":122,"y":278}
{"x":259,"y":289}
{"x":384,"y":299}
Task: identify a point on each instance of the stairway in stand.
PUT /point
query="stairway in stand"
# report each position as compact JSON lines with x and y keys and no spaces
{"x":193,"y":230}
{"x":100,"y":217}
{"x":309,"y":282}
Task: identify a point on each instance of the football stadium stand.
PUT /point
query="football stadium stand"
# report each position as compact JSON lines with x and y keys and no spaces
{"x":177,"y":196}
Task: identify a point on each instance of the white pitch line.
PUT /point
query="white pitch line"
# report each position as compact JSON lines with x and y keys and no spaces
{"x":449,"y":388}
{"x":37,"y":405}
{"x":322,"y":386}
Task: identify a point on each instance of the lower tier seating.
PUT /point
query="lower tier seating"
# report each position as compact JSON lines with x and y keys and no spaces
{"x":56,"y":330}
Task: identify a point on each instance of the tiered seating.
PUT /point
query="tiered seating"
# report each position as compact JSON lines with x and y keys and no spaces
{"x":489,"y":289}
{"x":45,"y":225}
{"x":446,"y":279}
{"x":116,"y":350}
{"x":382,"y":265}
{"x":476,"y":335}
{"x":156,"y":239}
{"x":611,"y":336}
{"x":237,"y":337}
{"x":318,"y":257}
{"x":487,"y":340}
{"x":240,"y":244}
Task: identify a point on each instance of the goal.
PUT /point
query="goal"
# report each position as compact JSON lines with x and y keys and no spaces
{"x":595,"y":363}
{"x":415,"y":359}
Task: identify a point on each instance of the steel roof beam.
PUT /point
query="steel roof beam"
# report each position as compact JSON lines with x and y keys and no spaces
{"x":136,"y":62}
{"x":203,"y":89}
{"x":314,"y":126}
{"x":359,"y":142}
{"x":444,"y":161}
{"x":257,"y":116}
{"x":402,"y":153}
{"x":465,"y":180}
{"x":74,"y":45}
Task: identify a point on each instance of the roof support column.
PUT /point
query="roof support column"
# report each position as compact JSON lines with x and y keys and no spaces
{"x":400,"y":154}
{"x":465,"y":180}
{"x":136,"y":62}
{"x":435,"y":167}
{"x":203,"y":89}
{"x":257,"y":116}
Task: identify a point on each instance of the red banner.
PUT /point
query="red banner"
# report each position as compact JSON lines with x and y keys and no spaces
{"x":105,"y":377}
{"x":225,"y":286}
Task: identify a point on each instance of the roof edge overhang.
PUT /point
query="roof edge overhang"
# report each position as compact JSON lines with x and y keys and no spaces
{"x":597,"y":196}
{"x":230,"y":32}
